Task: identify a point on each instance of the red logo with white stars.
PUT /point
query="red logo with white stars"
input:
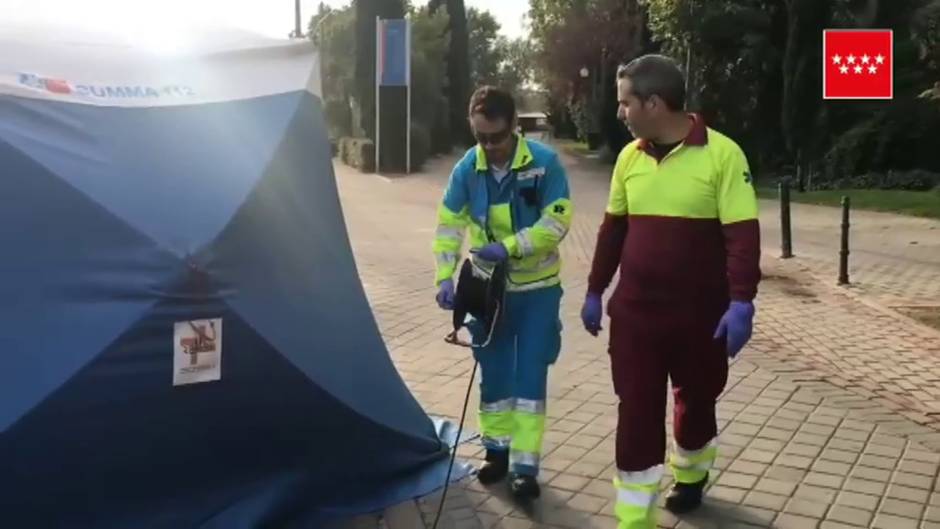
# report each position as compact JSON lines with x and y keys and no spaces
{"x":858,"y":64}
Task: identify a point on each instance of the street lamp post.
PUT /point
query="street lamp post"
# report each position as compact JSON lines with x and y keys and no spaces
{"x":297,"y":32}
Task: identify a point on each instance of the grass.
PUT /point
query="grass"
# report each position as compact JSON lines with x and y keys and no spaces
{"x":915,"y":203}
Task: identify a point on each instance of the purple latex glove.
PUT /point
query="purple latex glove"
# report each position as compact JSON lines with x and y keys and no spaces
{"x":591,"y":313}
{"x":494,"y":251}
{"x":445,"y":295}
{"x":736,"y":325}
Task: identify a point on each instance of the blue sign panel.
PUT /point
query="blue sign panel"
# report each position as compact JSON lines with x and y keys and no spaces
{"x":393,"y":61}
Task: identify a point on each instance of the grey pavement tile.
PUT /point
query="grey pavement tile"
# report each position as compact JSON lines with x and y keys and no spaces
{"x":917,"y":481}
{"x":806,"y":507}
{"x":849,"y":515}
{"x":859,"y":501}
{"x":829,"y":524}
{"x":864,"y":486}
{"x":840,"y":456}
{"x":908,"y":493}
{"x":794,"y":521}
{"x":819,"y":479}
{"x":873,"y":474}
{"x":890,"y":521}
{"x":777,"y":487}
{"x":906,"y":509}
{"x":765,"y":500}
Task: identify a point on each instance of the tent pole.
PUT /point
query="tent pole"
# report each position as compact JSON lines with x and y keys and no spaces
{"x":378,"y":80}
{"x":408,"y":96}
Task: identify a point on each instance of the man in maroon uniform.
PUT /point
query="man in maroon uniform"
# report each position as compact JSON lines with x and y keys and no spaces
{"x":681,"y":225}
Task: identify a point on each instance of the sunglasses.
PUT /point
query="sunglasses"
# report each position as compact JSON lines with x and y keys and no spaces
{"x":492,"y":138}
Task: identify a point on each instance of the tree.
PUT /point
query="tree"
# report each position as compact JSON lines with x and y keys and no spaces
{"x":595,"y":35}
{"x":458,"y":70}
{"x":485,"y":54}
{"x":430,"y":108}
{"x":332,"y":31}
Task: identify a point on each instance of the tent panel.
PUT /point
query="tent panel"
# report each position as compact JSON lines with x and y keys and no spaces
{"x":73,"y":276}
{"x":119,"y":446}
{"x":198,"y":162}
{"x":299,"y":286}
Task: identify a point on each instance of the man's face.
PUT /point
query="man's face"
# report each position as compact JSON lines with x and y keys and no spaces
{"x":495,"y":136}
{"x":639,"y":116}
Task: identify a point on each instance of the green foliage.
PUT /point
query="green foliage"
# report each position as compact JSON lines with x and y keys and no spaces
{"x":485,"y":56}
{"x":429,"y":106}
{"x":420,"y":146}
{"x":901,"y":136}
{"x":332,"y":31}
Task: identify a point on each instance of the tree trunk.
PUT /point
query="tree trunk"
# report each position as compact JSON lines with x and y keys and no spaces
{"x":802,"y":75}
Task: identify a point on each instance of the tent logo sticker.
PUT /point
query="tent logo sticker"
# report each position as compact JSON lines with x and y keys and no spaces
{"x":98,"y":91}
{"x":197,"y":351}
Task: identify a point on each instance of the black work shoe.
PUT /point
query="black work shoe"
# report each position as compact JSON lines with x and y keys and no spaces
{"x":685,"y":497}
{"x":495,"y":468}
{"x":524,"y":487}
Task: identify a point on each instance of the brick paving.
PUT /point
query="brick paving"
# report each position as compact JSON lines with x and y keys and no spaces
{"x":830,"y":419}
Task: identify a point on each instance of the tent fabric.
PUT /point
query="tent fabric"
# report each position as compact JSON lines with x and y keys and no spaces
{"x":150,"y":204}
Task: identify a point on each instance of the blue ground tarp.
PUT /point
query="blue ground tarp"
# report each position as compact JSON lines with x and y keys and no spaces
{"x":185,"y":342}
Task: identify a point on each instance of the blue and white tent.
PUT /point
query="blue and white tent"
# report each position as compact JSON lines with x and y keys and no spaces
{"x":185,"y":341}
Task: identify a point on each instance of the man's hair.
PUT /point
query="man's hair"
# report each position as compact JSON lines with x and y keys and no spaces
{"x":493,"y":103}
{"x":658,"y":75}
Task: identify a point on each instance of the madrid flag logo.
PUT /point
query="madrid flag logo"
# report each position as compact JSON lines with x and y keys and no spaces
{"x":858,"y":64}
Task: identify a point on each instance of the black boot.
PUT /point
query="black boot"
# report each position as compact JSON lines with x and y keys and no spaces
{"x":495,"y":468}
{"x":685,"y":497}
{"x":524,"y":488}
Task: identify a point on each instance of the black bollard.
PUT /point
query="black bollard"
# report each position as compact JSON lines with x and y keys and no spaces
{"x":844,"y":251}
{"x":786,"y":242}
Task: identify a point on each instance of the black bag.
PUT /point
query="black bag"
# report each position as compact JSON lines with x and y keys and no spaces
{"x":481,"y":293}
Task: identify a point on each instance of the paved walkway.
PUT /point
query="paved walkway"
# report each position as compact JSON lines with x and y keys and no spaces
{"x":830,"y":419}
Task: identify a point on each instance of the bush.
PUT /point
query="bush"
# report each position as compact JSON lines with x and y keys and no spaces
{"x":913,"y":180}
{"x":420,"y":146}
{"x":338,"y":117}
{"x":358,"y":153}
{"x":894,"y":149}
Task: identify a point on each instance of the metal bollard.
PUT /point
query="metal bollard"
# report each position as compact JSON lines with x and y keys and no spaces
{"x":786,"y":235}
{"x":844,"y":251}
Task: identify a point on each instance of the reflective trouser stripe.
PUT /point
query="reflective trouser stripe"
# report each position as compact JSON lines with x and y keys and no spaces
{"x":526,"y":444}
{"x":496,"y":423}
{"x":637,"y":493}
{"x":691,"y":466}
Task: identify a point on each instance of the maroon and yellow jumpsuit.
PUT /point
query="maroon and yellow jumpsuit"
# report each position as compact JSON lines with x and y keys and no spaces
{"x":684,"y":232}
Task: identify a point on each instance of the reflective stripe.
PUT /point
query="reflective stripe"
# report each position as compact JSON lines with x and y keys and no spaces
{"x":642,"y":477}
{"x":693,"y":455}
{"x":633,"y":517}
{"x":549,"y":261}
{"x":558,"y":229}
{"x":637,"y":492}
{"x":535,"y":285}
{"x":636,"y":497}
{"x":525,"y":243}
{"x":692,"y":466}
{"x":449,"y":233}
{"x":530,"y":429}
{"x":530,"y":406}
{"x":517,"y":457}
{"x":499,"y":441}
{"x":446,"y":258}
{"x":497,"y":406}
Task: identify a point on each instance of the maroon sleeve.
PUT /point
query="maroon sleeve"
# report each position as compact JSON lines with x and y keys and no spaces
{"x":607,"y":253}
{"x":742,"y":243}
